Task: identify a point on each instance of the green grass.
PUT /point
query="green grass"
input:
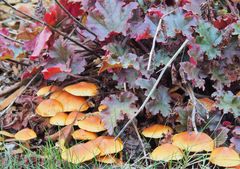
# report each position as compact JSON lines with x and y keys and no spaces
{"x":48,"y":157}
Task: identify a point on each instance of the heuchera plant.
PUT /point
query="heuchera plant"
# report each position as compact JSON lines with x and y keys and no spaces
{"x":118,"y":35}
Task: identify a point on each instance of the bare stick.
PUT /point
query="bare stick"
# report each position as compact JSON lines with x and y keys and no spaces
{"x":154,"y":86}
{"x":140,"y":139}
{"x":73,"y":18}
{"x":194,"y":102}
{"x":11,"y":39}
{"x":29,"y":83}
{"x":154,"y":40}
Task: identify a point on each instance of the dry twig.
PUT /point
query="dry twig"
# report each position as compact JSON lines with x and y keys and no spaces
{"x":154,"y":86}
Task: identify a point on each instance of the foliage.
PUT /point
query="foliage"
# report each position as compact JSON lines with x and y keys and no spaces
{"x":109,"y":42}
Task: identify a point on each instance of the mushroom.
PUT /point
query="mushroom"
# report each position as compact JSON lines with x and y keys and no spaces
{"x":70,"y":102}
{"x":193,"y":142}
{"x":108,"y":145}
{"x":7,"y":134}
{"x":207,"y":103}
{"x":166,"y":152}
{"x":92,"y":123}
{"x":109,"y":159}
{"x":71,"y":117}
{"x":80,"y":153}
{"x":46,"y":90}
{"x":59,"y":119}
{"x":156,"y":131}
{"x":49,"y":108}
{"x":102,"y":107}
{"x":82,"y":89}
{"x":25,"y":135}
{"x":224,"y":157}
{"x":84,"y":135}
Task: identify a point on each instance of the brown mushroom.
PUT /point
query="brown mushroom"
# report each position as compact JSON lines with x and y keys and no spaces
{"x":70,"y":102}
{"x":166,"y":152}
{"x":156,"y":131}
{"x":84,"y":135}
{"x":82,"y":89}
{"x":108,"y":145}
{"x":80,"y":153}
{"x":49,"y":108}
{"x":46,"y":90}
{"x":25,"y":135}
{"x":71,"y":117}
{"x":59,"y":119}
{"x":193,"y":142}
{"x":224,"y":157}
{"x":92,"y":123}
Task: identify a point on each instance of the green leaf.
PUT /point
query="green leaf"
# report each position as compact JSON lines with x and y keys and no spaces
{"x":118,"y":107}
{"x":110,"y":16}
{"x":208,"y":39}
{"x":161,"y":103}
{"x":228,"y":102}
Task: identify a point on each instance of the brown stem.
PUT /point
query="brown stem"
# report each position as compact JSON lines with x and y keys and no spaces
{"x":73,"y":18}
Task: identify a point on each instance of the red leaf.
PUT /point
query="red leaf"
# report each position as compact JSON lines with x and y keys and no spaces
{"x":51,"y":17}
{"x":224,"y":21}
{"x":49,"y":72}
{"x":41,"y":41}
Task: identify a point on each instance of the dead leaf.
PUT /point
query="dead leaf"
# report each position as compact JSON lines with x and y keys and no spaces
{"x":5,"y":103}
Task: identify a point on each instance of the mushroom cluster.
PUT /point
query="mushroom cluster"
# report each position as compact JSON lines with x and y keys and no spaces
{"x":68,"y":106}
{"x":189,"y":142}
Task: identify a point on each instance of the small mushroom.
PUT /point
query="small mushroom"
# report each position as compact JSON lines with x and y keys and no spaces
{"x":84,"y":135}
{"x":80,"y":153}
{"x":108,"y":145}
{"x":70,"y":102}
{"x":82,"y":89}
{"x":59,"y":119}
{"x":49,"y":108}
{"x":25,"y":135}
{"x":156,"y":131}
{"x":193,"y":142}
{"x":224,"y":157}
{"x":7,"y":134}
{"x":109,"y":159}
{"x":102,"y":107}
{"x":71,"y":117}
{"x":92,"y":123}
{"x":166,"y":152}
{"x":46,"y":90}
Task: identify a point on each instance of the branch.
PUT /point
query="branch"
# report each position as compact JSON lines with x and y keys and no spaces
{"x":194,"y":102}
{"x":154,"y":86}
{"x":52,"y":28}
{"x":155,"y":38}
{"x":73,"y":18}
{"x":11,"y":39}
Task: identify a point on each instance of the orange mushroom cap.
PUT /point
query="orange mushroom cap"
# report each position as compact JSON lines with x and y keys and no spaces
{"x":80,"y":153}
{"x":83,"y":135}
{"x":72,"y":115}
{"x":49,"y":108}
{"x":156,"y":131}
{"x":46,"y":90}
{"x":224,"y":157}
{"x":102,"y":107}
{"x":59,"y":119}
{"x":82,"y":89}
{"x":108,"y":145}
{"x":70,"y":102}
{"x":193,"y":142}
{"x":25,"y":135}
{"x":166,"y":152}
{"x":109,"y":159}
{"x":92,"y":123}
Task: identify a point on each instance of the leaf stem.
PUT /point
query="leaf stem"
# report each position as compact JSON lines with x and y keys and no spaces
{"x":73,"y":18}
{"x":155,"y":38}
{"x":154,"y":86}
